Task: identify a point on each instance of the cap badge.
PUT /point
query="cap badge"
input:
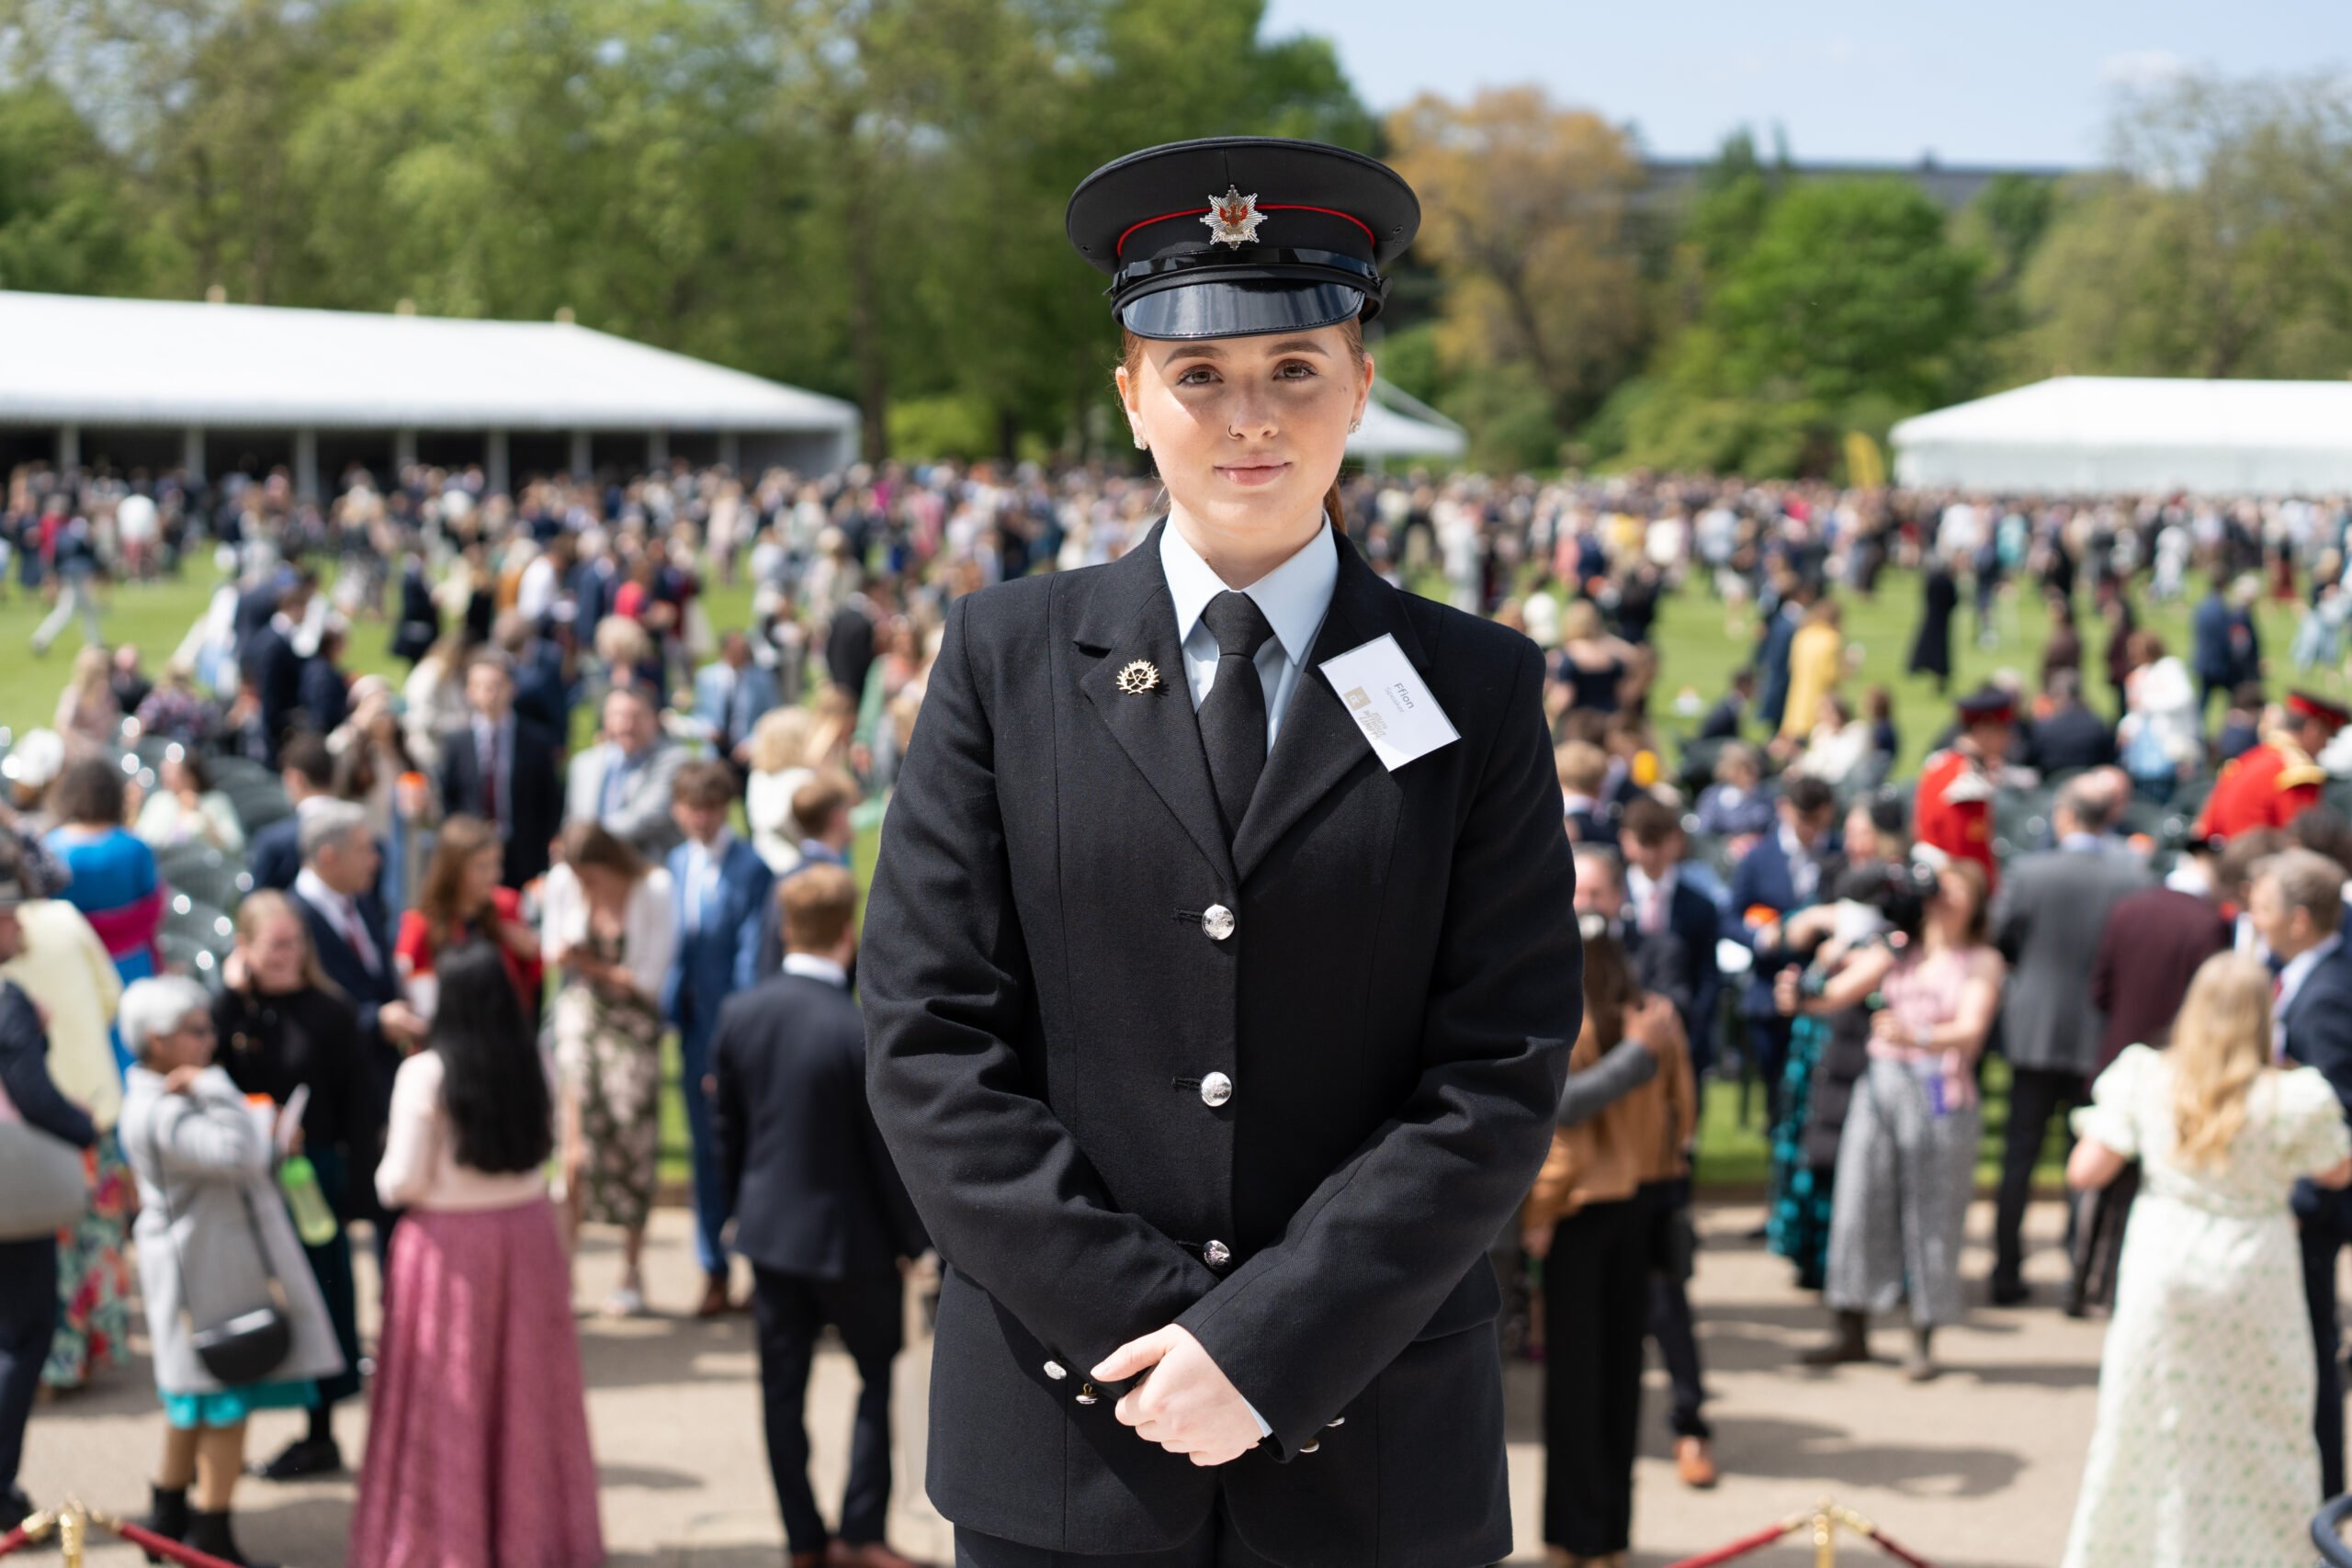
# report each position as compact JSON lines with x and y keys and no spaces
{"x":1233,"y":218}
{"x":1139,"y":677}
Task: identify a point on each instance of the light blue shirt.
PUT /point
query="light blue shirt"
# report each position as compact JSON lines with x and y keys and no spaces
{"x":1293,"y":598}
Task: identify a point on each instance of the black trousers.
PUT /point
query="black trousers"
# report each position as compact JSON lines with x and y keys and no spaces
{"x":2323,"y":1237}
{"x":2036,"y":1095}
{"x":1671,"y":1321}
{"x":1596,"y":1309}
{"x":1217,"y":1545}
{"x":27,"y":1318}
{"x":790,"y":1311}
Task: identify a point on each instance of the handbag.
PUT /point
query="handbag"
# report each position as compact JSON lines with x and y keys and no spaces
{"x":43,"y":1188}
{"x":246,"y":1346}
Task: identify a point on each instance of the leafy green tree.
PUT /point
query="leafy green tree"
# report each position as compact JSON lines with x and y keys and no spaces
{"x":67,"y":224}
{"x":2217,"y":245}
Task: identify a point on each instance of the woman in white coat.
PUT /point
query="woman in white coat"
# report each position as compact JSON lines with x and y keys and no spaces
{"x":214,"y":1243}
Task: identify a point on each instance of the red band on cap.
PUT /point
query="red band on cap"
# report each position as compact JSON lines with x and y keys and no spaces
{"x":1120,"y":248}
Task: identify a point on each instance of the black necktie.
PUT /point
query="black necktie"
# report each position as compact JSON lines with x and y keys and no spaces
{"x":1233,"y":715}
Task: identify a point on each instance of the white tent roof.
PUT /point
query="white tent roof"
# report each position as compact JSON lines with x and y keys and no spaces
{"x":1398,"y":425}
{"x":2080,"y":433}
{"x":67,"y":359}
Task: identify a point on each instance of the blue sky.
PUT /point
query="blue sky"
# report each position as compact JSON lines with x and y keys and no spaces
{"x":1996,"y":81}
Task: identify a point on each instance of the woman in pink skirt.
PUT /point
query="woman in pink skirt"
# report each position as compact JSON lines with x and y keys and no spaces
{"x":478,"y":1452}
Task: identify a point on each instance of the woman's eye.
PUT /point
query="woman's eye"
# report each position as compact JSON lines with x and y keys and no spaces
{"x":1199,"y":376}
{"x":1303,"y":370}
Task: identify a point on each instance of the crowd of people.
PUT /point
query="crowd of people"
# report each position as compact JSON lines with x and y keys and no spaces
{"x":579,"y":817}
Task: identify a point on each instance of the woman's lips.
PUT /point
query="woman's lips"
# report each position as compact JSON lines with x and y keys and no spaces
{"x":1253,"y":473}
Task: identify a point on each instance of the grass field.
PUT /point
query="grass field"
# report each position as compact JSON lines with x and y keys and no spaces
{"x":1697,"y":651}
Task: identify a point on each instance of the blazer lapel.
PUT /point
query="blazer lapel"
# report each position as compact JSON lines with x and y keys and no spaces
{"x":1318,"y":744}
{"x":1131,"y":618}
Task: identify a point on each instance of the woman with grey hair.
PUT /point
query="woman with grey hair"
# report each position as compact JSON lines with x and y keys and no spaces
{"x":215,"y":1245}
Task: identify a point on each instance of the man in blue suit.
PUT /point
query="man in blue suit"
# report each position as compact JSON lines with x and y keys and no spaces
{"x":1781,"y":873}
{"x":731,"y":696}
{"x":2296,"y":902}
{"x":2208,"y":647}
{"x":723,"y":889}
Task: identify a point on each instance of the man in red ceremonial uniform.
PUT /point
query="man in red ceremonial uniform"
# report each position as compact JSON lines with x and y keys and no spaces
{"x":2276,"y":781}
{"x":1954,"y":811}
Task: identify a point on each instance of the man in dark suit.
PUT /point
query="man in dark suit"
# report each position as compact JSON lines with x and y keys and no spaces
{"x":1660,"y":902}
{"x":273,"y":669}
{"x":503,"y":769}
{"x":849,"y":644}
{"x":2209,"y":658}
{"x":305,"y":768}
{"x":1780,"y":873}
{"x":323,"y":689}
{"x":819,"y":1209}
{"x":2046,"y":919}
{"x":2297,"y":907}
{"x":721,"y":889}
{"x":2070,"y":738}
{"x":335,"y":896}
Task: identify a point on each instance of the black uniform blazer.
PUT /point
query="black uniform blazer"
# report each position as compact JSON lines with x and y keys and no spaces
{"x":1050,"y":980}
{"x":532,"y":793}
{"x":814,"y":1191}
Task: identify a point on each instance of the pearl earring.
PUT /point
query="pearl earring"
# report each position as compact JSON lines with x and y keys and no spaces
{"x":1140,"y":443}
{"x":1355,"y":425}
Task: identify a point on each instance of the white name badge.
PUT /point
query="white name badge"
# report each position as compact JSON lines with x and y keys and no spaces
{"x":1389,"y":703}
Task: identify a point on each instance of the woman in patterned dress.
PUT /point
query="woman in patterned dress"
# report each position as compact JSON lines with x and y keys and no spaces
{"x":610,"y":928}
{"x":2204,"y":1451}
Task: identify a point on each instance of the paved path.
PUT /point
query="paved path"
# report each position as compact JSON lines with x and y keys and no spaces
{"x":1976,"y":1471}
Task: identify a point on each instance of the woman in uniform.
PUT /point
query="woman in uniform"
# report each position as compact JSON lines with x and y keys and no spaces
{"x":1222,"y":963}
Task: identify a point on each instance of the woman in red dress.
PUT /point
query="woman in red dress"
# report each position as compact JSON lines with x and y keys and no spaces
{"x":461,"y":902}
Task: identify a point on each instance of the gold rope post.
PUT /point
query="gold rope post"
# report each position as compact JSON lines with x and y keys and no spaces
{"x":73,"y":1532}
{"x":1825,"y":1535}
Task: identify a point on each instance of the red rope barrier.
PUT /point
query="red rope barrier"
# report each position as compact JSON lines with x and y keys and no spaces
{"x":1880,"y":1538}
{"x":160,"y":1546}
{"x":15,"y":1541}
{"x":1742,"y":1546}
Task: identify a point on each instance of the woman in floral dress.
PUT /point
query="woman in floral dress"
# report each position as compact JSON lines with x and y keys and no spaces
{"x":2204,"y":1453}
{"x":610,"y":928}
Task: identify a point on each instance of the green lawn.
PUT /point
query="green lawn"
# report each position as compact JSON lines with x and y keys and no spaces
{"x":1697,"y":650}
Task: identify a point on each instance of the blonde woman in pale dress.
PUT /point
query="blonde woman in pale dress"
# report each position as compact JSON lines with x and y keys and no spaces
{"x":2204,"y":1453}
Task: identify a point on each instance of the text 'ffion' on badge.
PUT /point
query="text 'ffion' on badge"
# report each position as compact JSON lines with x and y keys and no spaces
{"x":1386,"y":695}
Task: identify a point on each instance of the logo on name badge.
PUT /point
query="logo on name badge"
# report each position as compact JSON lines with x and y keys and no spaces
{"x":1357,"y":697}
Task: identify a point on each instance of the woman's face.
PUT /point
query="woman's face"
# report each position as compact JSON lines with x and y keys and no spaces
{"x":605,"y":888}
{"x":276,"y":953}
{"x":1861,"y":835}
{"x":1955,"y":902}
{"x":1248,"y":433}
{"x":176,"y":780}
{"x":189,"y":1044}
{"x":484,"y":868}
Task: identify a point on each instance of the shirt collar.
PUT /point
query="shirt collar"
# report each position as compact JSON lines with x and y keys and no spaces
{"x":809,"y":966}
{"x":1293,"y":597}
{"x":716,"y":850}
{"x":313,"y":889}
{"x":2290,"y":978}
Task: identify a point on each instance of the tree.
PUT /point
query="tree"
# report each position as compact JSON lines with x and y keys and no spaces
{"x":1850,"y":308}
{"x":66,"y":223}
{"x":2216,"y":245}
{"x":1524,"y":211}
